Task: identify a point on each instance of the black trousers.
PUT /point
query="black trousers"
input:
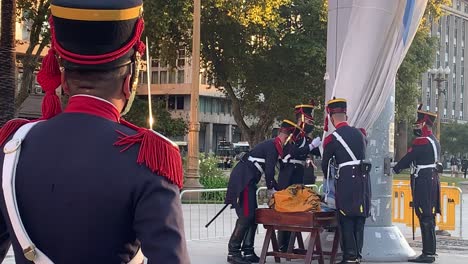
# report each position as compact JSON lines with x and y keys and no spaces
{"x":352,"y":236}
{"x":427,"y":225}
{"x":248,"y":203}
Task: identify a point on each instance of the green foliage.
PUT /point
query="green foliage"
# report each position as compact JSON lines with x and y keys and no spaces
{"x":256,"y":52}
{"x":212,"y":177}
{"x":277,"y":56}
{"x":163,"y":122}
{"x":418,"y":60}
{"x":454,"y":138}
{"x":168,"y":27}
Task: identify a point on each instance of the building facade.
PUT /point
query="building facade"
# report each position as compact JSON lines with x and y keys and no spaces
{"x":172,"y":87}
{"x":451,"y":31}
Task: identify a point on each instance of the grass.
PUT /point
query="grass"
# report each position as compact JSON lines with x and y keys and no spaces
{"x":452,"y":181}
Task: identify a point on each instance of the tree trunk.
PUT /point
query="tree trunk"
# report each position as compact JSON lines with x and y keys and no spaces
{"x":7,"y":61}
{"x":26,"y":83}
{"x":30,"y":62}
{"x":401,"y":139}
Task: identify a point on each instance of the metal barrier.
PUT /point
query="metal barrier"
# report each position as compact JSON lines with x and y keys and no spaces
{"x":451,"y":196}
{"x":199,"y":207}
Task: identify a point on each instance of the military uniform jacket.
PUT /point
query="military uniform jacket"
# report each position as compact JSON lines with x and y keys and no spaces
{"x":246,"y":171}
{"x":353,"y":189}
{"x":82,"y":200}
{"x":291,"y":172}
{"x":425,"y":185}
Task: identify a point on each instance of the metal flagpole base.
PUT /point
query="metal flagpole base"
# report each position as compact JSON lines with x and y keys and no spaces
{"x":385,"y":243}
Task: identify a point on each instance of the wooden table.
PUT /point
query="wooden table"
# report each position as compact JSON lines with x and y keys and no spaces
{"x":296,"y":223}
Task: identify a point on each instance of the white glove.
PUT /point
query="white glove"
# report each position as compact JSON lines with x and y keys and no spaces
{"x":315,"y":143}
{"x":270,"y":193}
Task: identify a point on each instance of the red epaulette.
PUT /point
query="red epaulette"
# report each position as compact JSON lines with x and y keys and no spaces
{"x":363,"y":131}
{"x":157,"y":152}
{"x":327,"y":140}
{"x":10,"y":127}
{"x":420,"y":141}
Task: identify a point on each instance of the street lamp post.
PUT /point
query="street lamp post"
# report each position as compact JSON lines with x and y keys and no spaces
{"x":192,"y":177}
{"x":439,"y":75}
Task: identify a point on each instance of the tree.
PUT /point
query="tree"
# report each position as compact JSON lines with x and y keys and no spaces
{"x":454,"y":138}
{"x":419,"y":58}
{"x":168,"y":27}
{"x":33,"y":14}
{"x":164,"y":123}
{"x":8,"y":61}
{"x":266,"y":56}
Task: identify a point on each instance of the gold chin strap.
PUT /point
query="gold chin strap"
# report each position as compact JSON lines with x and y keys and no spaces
{"x":134,"y":85}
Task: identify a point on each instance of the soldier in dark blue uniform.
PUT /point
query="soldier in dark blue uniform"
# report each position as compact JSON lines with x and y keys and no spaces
{"x":423,"y":157}
{"x":347,"y":145}
{"x":241,"y":193}
{"x":295,"y":152}
{"x":90,"y":186}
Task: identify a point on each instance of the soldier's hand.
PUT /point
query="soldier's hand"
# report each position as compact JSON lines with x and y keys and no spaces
{"x":270,"y":193}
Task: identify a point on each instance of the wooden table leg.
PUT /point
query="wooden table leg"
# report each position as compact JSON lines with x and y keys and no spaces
{"x":310,"y":248}
{"x":336,"y":240}
{"x":274,"y":243}
{"x":266,"y":244}
{"x":292,"y":240}
{"x":300,"y":241}
{"x":318,"y":246}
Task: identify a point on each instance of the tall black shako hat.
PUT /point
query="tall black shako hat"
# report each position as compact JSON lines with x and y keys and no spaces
{"x":424,"y":116}
{"x":336,"y":105}
{"x":305,"y":111}
{"x":89,"y":35}
{"x":288,"y":127}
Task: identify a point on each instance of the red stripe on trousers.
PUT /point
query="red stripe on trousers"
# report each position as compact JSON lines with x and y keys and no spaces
{"x":246,"y":201}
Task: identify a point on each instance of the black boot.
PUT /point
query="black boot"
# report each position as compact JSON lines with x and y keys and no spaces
{"x":348,"y":248}
{"x":283,"y":240}
{"x":248,"y":245}
{"x":428,"y":240}
{"x":235,"y":242}
{"x":423,"y":259}
{"x":359,"y":236}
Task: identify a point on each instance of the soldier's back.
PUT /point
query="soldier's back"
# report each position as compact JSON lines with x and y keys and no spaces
{"x":79,"y":195}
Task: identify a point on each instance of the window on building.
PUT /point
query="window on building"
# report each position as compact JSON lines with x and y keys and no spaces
{"x":466,"y":8}
{"x":155,"y":63}
{"x":463,"y":31}
{"x":155,"y":77}
{"x":429,"y":81}
{"x":171,"y":102}
{"x":428,"y":102}
{"x":202,"y":104}
{"x":453,"y":107}
{"x":229,"y":108}
{"x":447,"y":25}
{"x":144,"y":77}
{"x":210,"y":105}
{"x":180,"y":76}
{"x":180,"y":102}
{"x":446,"y":47}
{"x":458,"y":5}
{"x":454,"y":51}
{"x":454,"y":69}
{"x":172,"y":76}
{"x":163,"y":77}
